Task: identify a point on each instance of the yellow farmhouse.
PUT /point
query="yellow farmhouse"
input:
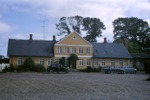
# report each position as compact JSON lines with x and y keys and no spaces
{"x":89,"y":54}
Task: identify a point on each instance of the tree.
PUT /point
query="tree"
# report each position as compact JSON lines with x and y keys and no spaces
{"x":68,"y":24}
{"x":133,"y":29}
{"x":62,"y":61}
{"x":92,"y":26}
{"x":28,"y":64}
{"x":72,"y":59}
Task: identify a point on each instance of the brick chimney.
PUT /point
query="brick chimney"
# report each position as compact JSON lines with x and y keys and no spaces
{"x":105,"y":40}
{"x":30,"y":38}
{"x":54,"y":38}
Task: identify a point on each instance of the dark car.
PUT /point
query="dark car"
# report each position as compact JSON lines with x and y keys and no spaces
{"x":126,"y":69}
{"x":57,"y":68}
{"x":109,"y":69}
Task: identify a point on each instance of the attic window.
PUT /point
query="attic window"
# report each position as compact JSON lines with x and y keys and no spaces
{"x":74,"y":37}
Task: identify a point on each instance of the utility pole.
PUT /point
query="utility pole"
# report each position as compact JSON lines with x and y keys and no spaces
{"x":44,"y":27}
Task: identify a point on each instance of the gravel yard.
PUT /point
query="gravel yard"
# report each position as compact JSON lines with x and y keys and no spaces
{"x":73,"y":86}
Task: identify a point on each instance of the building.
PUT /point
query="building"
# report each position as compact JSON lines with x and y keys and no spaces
{"x":47,"y":52}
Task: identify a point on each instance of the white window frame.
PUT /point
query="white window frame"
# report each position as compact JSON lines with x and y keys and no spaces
{"x":59,"y":50}
{"x":73,"y":50}
{"x":19,"y":61}
{"x":80,"y":50}
{"x":88,"y":62}
{"x":95,"y":62}
{"x":66,"y":50}
{"x":42,"y":61}
{"x":81,"y":62}
{"x":87,"y":50}
{"x":103,"y":63}
{"x":49,"y":61}
{"x":112,"y":63}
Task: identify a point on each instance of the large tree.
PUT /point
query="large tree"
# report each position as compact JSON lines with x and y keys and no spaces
{"x":91,"y":26}
{"x":133,"y":29}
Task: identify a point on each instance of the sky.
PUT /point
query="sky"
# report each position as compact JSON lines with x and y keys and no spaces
{"x":19,"y":18}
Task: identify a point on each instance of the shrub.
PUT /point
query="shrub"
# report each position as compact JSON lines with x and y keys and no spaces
{"x":11,"y":68}
{"x":91,"y":69}
{"x":39,"y":68}
{"x":148,"y":79}
{"x":28,"y":64}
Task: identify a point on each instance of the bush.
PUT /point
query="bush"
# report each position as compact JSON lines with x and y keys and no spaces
{"x":39,"y":68}
{"x":148,"y":79}
{"x":11,"y":68}
{"x":91,"y":69}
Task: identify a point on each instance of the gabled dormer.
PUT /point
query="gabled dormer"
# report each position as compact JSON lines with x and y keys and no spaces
{"x":73,"y":43}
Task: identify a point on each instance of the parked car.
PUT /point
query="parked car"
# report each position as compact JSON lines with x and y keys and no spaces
{"x":57,"y":68}
{"x":109,"y":69}
{"x":126,"y":69}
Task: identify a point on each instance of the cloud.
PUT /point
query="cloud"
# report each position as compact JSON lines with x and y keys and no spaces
{"x":106,"y":10}
{"x":4,"y":27}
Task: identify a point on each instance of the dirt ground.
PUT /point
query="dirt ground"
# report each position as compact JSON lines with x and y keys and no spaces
{"x":73,"y":86}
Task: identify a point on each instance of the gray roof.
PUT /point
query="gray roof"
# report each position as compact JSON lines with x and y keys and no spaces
{"x":45,"y":48}
{"x":110,"y":50}
{"x":30,"y":48}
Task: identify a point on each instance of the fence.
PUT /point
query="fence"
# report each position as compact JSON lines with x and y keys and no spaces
{"x":2,"y":66}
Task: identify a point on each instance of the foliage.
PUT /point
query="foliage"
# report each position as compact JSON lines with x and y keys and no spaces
{"x":92,"y":26}
{"x":91,"y":69}
{"x":28,"y":64}
{"x":4,"y":60}
{"x":62,"y":61}
{"x":148,"y":79}
{"x":72,"y":58}
{"x":133,"y":29}
{"x":39,"y":68}
{"x":11,"y":68}
{"x":133,"y":47}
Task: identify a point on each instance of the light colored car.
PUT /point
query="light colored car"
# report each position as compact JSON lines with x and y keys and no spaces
{"x":126,"y":69}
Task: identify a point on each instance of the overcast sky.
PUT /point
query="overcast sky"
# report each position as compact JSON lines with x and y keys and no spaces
{"x":19,"y":18}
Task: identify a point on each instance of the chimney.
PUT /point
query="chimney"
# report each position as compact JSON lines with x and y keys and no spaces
{"x":30,"y":38}
{"x":126,"y":43}
{"x":105,"y":40}
{"x":54,"y":39}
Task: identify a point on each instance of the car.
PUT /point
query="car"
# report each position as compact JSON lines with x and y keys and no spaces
{"x":58,"y":68}
{"x":109,"y":69}
{"x":126,"y":69}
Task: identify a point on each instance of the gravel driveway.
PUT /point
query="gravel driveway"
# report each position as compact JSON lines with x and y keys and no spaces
{"x":73,"y":86}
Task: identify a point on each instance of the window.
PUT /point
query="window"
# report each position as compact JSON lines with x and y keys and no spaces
{"x":42,"y":61}
{"x":74,"y":37}
{"x":113,"y":63}
{"x":103,"y":63}
{"x":88,"y":62}
{"x":66,"y":50}
{"x":95,"y":62}
{"x":88,"y":50}
{"x":121,"y":63}
{"x":19,"y":61}
{"x":59,"y":49}
{"x":80,"y":50}
{"x":81,"y":62}
{"x":49,"y":61}
{"x":74,"y":50}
